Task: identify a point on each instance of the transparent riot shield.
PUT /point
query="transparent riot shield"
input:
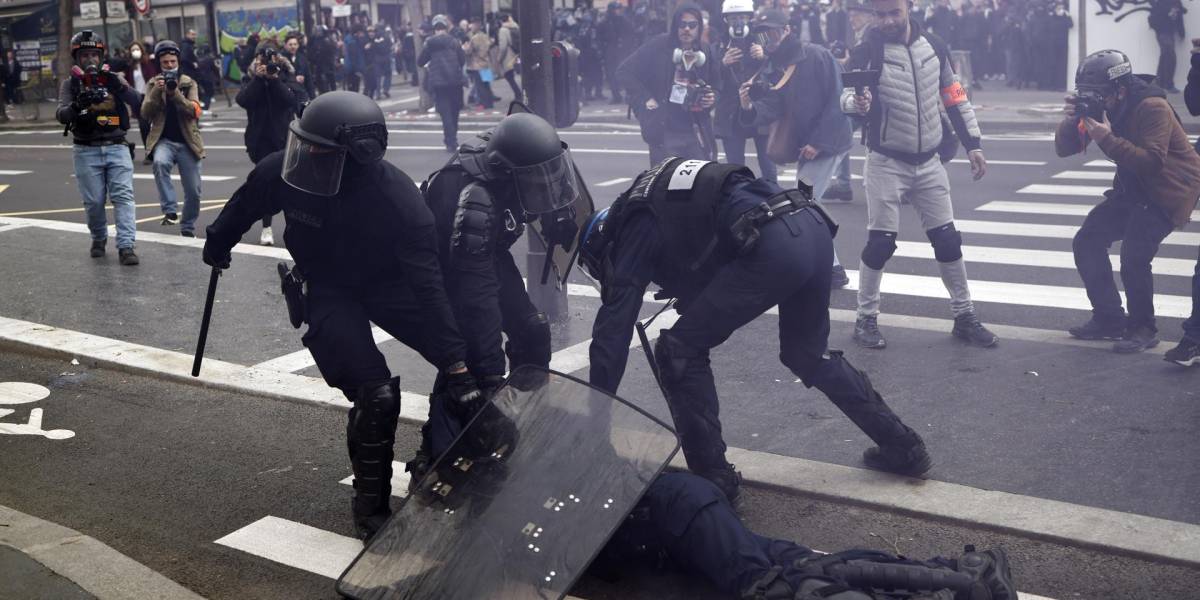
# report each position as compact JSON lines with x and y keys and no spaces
{"x":522,"y":501}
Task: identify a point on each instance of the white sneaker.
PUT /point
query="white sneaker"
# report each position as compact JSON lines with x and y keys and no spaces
{"x":267,"y":238}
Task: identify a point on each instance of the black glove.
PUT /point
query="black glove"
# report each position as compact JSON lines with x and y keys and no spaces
{"x":559,"y":227}
{"x":463,"y":395}
{"x":214,"y":258}
{"x":88,"y":98}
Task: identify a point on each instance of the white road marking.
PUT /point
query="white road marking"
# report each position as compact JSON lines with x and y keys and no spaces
{"x":574,"y":358}
{"x":1052,"y":189}
{"x":16,"y":392}
{"x":400,"y":479}
{"x":296,"y":545}
{"x":1065,"y":232}
{"x":616,"y":181}
{"x":1091,"y":175}
{"x":8,"y":172}
{"x":1177,"y":267}
{"x":1046,"y":208}
{"x":398,"y":101}
{"x":34,"y":427}
{"x":3,"y":187}
{"x":175,"y":177}
{"x":1100,"y":163}
{"x":303,"y":359}
{"x":11,"y":227}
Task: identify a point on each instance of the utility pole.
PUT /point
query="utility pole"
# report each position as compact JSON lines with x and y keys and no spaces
{"x":533,"y":16}
{"x":65,"y":26}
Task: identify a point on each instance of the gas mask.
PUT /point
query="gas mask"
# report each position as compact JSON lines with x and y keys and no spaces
{"x":689,"y":59}
{"x":739,"y":26}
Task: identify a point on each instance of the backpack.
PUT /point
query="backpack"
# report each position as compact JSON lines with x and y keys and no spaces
{"x":514,"y":40}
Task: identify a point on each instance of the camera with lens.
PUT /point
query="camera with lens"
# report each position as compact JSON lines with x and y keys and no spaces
{"x":1089,"y":104}
{"x":696,"y":93}
{"x":171,"y":79}
{"x":267,"y":57}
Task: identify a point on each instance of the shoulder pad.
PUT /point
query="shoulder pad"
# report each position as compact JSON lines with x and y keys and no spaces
{"x":474,"y":225}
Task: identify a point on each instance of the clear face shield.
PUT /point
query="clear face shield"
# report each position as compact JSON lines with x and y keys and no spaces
{"x":312,"y":167}
{"x":547,"y":186}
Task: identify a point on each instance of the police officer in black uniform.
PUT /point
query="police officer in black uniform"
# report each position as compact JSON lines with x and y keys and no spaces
{"x":727,"y":247}
{"x":511,"y":175}
{"x":364,"y":245}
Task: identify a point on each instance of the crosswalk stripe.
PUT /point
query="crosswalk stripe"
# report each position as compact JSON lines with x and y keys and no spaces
{"x":1176,"y":267}
{"x":1021,"y":294}
{"x":295,"y":545}
{"x":1046,"y":208}
{"x":1065,"y":232}
{"x":175,"y":177}
{"x":400,"y":479}
{"x":1052,"y":189}
{"x":1090,"y":175}
{"x":9,"y":172}
{"x":1100,"y":163}
{"x":3,"y":187}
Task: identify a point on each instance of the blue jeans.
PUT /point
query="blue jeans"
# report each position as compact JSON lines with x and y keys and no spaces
{"x":1191,"y":327}
{"x":107,"y":171}
{"x":817,"y":172}
{"x":735,"y":154}
{"x":166,"y":155}
{"x":843,"y":170}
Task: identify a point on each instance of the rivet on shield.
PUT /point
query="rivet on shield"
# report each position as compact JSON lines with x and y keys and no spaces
{"x":550,"y":502}
{"x":463,"y":464}
{"x":528,"y":528}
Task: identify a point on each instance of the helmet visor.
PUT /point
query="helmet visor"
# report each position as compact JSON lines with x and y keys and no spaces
{"x":547,"y":186}
{"x":312,"y":167}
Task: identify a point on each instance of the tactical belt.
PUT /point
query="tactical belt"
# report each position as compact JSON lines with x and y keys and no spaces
{"x":745,"y":229}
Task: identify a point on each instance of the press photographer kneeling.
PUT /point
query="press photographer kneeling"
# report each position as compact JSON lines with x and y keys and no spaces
{"x":1154,"y":191}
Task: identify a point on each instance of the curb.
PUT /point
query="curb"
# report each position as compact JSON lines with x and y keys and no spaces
{"x":85,"y":561}
{"x":1104,"y":530}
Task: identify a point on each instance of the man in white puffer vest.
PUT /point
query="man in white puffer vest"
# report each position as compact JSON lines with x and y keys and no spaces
{"x":902,"y":131}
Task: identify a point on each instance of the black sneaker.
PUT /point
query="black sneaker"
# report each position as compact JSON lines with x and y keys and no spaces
{"x":839,"y":279}
{"x":1137,"y":339}
{"x":189,"y":233}
{"x":989,"y":568}
{"x":911,"y":462}
{"x":1186,"y":354}
{"x":866,"y":333}
{"x":128,"y":258}
{"x":727,"y":479}
{"x":839,"y":191}
{"x":170,"y":219}
{"x":968,"y":329}
{"x":1097,"y":330}
{"x":98,"y":249}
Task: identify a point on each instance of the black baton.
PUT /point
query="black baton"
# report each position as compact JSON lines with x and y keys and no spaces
{"x":208,"y":306}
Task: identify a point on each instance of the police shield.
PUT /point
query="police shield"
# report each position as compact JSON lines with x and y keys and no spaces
{"x":563,"y":253}
{"x":522,"y":501}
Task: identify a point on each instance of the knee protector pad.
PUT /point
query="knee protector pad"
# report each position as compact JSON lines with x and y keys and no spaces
{"x":880,"y":247}
{"x":373,"y":418}
{"x":946,"y":242}
{"x":529,"y":342}
{"x":674,"y":358}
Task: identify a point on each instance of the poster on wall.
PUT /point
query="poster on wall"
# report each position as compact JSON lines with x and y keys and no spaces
{"x":237,"y":25}
{"x":35,"y":39}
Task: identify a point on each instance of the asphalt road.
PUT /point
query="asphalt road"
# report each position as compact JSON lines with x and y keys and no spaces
{"x":1036,"y":416}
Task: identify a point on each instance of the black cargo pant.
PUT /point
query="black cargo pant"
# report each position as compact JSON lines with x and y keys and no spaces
{"x":448,"y":101}
{"x":789,"y":268}
{"x":1140,"y":228}
{"x":1191,"y":327}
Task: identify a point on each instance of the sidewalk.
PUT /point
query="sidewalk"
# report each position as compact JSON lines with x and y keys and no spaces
{"x":40,"y":559}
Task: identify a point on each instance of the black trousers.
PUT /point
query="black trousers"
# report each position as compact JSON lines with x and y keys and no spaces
{"x":1191,"y":327}
{"x":448,"y":100}
{"x":1166,"y":60}
{"x":1141,"y":229}
{"x":511,"y":77}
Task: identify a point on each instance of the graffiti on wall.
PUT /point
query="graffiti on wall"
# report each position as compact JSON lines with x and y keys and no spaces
{"x":1122,"y":8}
{"x":237,"y":25}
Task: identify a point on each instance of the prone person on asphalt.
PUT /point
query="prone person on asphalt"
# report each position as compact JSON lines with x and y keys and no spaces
{"x":366,"y":252}
{"x":92,"y":104}
{"x":727,"y":247}
{"x":1154,"y":191}
{"x":903,"y":134}
{"x":172,"y":105}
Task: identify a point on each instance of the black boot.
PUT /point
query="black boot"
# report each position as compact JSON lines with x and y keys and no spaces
{"x":900,"y":449}
{"x":370,"y":435}
{"x":98,"y":248}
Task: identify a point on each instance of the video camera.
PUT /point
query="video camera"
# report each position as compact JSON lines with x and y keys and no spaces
{"x":95,"y":85}
{"x":860,"y":80}
{"x":171,"y":79}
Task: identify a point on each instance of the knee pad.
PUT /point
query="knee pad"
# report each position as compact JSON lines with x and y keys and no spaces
{"x":376,"y":409}
{"x":880,"y":247}
{"x":529,"y":342}
{"x":674,"y":358}
{"x":946,"y":242}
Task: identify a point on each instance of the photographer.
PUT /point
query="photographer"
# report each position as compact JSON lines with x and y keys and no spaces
{"x":91,"y":103}
{"x":172,"y":106}
{"x":736,"y":68}
{"x":1154,"y":191}
{"x":904,"y":133}
{"x":271,"y":99}
{"x":666,"y":80}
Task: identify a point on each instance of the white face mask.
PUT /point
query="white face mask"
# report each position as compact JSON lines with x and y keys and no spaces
{"x":136,"y":54}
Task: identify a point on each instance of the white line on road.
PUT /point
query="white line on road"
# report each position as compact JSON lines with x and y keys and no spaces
{"x":574,"y":358}
{"x":400,"y":479}
{"x":7,"y":172}
{"x":175,"y":177}
{"x":1046,"y":208}
{"x":303,"y":359}
{"x":1108,"y":164}
{"x":1177,"y":267}
{"x":1065,"y":232}
{"x":1090,"y":175}
{"x":296,"y":545}
{"x":1053,"y":189}
{"x":616,"y":181}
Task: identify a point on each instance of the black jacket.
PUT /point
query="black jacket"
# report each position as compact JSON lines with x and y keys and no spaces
{"x":444,"y":57}
{"x":270,"y":105}
{"x":1161,"y":19}
{"x":376,"y":229}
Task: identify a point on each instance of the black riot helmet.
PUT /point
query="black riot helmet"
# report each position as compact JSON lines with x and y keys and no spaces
{"x":334,"y":126}
{"x":87,"y":39}
{"x":525,"y":149}
{"x":1101,"y":72}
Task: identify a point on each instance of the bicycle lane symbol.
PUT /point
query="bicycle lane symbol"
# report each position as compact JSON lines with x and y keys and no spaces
{"x":14,"y":393}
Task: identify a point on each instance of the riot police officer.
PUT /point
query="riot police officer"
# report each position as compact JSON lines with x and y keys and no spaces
{"x":727,"y":247}
{"x":516,"y":173}
{"x":365,"y":248}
